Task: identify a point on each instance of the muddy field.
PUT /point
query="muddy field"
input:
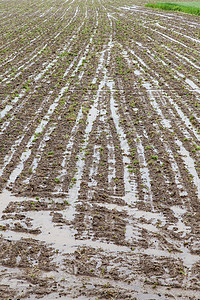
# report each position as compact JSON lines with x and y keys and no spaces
{"x":99,"y":151}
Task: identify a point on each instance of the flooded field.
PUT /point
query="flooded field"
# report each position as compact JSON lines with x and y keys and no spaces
{"x":99,"y":151}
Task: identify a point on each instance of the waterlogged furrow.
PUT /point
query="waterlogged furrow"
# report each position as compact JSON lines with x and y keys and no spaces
{"x":53,"y":12}
{"x":166,"y":122}
{"x":140,"y":148}
{"x":8,"y":107}
{"x":24,"y":49}
{"x":51,"y":41}
{"x":25,"y":155}
{"x":129,"y":180}
{"x":50,"y":65}
{"x":45,"y":48}
{"x":191,"y":164}
{"x":71,"y":141}
{"x":5,"y":125}
{"x":99,"y":137}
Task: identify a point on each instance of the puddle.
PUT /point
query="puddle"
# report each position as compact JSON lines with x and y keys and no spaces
{"x":136,"y":213}
{"x":94,"y":169}
{"x":40,"y":150}
{"x":190,"y":165}
{"x":137,"y":72}
{"x":177,"y":176}
{"x":10,"y":106}
{"x":26,"y":154}
{"x":193,"y":85}
{"x":184,"y":118}
{"x":169,"y":38}
{"x":188,"y":259}
{"x":150,"y":232}
{"x":6,"y":197}
{"x":112,"y":163}
{"x":144,"y":171}
{"x":129,"y":181}
{"x":70,"y":144}
{"x":60,"y":237}
{"x":138,"y":58}
{"x":178,"y":212}
{"x":155,"y":105}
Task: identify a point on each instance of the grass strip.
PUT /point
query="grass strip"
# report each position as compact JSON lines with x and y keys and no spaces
{"x":193,"y":8}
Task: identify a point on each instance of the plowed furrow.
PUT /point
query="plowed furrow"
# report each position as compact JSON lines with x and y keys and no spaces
{"x":99,"y":151}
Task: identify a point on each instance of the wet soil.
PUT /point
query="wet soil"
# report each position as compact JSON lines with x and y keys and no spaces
{"x":99,"y":151}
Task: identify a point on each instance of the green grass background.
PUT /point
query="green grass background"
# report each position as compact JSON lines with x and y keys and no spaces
{"x":189,"y":4}
{"x":186,"y":7}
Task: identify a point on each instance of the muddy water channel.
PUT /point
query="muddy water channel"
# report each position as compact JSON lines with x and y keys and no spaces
{"x":99,"y":151}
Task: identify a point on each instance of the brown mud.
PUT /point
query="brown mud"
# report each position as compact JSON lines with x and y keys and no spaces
{"x":99,"y":151}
